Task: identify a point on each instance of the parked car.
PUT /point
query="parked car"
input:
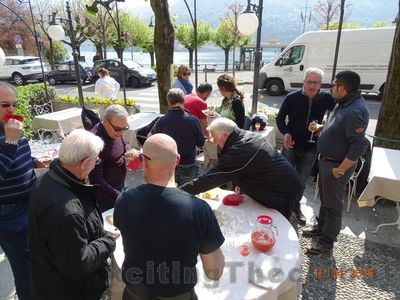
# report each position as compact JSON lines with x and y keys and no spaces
{"x":65,"y":72}
{"x":20,"y":69}
{"x":135,"y":74}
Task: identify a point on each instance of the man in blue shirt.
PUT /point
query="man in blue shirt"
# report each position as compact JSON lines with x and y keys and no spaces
{"x":186,"y":130}
{"x":298,"y":110}
{"x":16,"y":179}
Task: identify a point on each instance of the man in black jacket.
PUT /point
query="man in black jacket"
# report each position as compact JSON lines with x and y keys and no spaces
{"x":298,"y":110}
{"x":68,"y":245}
{"x":256,"y":168}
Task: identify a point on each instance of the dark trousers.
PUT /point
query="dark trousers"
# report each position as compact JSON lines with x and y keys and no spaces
{"x":332,"y":192}
{"x":302,"y":160}
{"x":14,"y":242}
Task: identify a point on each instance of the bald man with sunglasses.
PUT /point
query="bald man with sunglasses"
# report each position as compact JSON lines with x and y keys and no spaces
{"x":111,"y":171}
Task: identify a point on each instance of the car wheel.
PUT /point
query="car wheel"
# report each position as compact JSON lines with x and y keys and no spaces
{"x":274,"y":87}
{"x":51,"y":80}
{"x":134,"y":82}
{"x":18,"y":79}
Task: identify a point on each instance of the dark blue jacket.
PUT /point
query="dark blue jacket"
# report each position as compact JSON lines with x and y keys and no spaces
{"x":296,"y":107}
{"x":185,"y":129}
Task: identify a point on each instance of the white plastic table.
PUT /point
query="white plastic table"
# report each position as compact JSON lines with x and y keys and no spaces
{"x":383,"y":180}
{"x":236,"y":223}
{"x":136,"y":122}
{"x":64,"y":120}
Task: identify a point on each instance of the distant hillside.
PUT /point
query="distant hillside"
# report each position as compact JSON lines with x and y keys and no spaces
{"x":281,"y":18}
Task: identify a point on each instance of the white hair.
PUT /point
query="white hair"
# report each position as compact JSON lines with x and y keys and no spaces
{"x":316,"y":71}
{"x":221,"y":125}
{"x":115,"y":111}
{"x":78,"y":145}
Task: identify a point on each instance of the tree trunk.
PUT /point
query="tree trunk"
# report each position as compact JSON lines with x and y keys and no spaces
{"x":190,"y":58}
{"x":388,"y":126}
{"x":151,"y":59}
{"x":226,"y":50}
{"x":164,"y":37}
{"x":99,"y":49}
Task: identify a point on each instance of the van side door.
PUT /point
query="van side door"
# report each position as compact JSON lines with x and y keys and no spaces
{"x":292,"y":67}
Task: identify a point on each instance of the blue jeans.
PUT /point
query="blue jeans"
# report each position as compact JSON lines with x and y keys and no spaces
{"x":186,"y":173}
{"x":14,"y":242}
{"x":302,"y":160}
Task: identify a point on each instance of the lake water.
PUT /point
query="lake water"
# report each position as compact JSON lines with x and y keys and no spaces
{"x":182,"y":57}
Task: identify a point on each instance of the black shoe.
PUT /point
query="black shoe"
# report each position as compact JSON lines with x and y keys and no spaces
{"x":311,"y":231}
{"x":317,"y":248}
{"x":299,"y":217}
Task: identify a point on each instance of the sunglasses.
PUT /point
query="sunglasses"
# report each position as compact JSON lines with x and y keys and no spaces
{"x":118,"y":129}
{"x":141,"y":155}
{"x":7,"y":104}
{"x":186,"y":73}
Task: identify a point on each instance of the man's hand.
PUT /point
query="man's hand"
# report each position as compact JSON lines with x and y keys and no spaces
{"x":13,"y":130}
{"x":315,"y":127}
{"x":43,"y":162}
{"x":288,"y":142}
{"x":337,"y":173}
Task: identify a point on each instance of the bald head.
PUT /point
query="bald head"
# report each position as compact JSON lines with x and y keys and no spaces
{"x":162,"y":150}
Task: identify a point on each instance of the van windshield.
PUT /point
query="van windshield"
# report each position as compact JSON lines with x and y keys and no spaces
{"x":293,"y":56}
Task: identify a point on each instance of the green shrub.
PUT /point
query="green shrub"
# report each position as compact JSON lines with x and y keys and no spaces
{"x":36,"y":93}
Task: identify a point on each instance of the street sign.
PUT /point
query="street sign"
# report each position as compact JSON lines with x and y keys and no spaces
{"x":17,"y":39}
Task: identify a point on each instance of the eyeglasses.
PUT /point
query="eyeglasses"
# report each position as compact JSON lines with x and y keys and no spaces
{"x":313,"y":82}
{"x":7,"y":104}
{"x":98,"y":161}
{"x":118,"y":129}
{"x":141,"y":155}
{"x":186,"y":73}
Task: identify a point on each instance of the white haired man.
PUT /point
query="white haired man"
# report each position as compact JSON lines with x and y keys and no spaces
{"x":248,"y":159}
{"x":164,"y":229}
{"x":68,"y":245}
{"x":298,"y":110}
{"x":111,"y":171}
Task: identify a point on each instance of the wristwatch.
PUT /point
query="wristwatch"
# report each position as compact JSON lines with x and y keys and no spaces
{"x":340,"y":172}
{"x":11,"y":142}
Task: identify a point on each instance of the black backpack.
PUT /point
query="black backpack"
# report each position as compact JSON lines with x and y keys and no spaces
{"x":89,"y":118}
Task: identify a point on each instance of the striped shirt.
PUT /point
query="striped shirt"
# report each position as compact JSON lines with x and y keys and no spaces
{"x":16,"y":170}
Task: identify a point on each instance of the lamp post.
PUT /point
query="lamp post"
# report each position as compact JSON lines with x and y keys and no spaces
{"x":194,"y":22}
{"x":248,"y":23}
{"x":34,"y":33}
{"x":56,"y":32}
{"x":106,"y":5}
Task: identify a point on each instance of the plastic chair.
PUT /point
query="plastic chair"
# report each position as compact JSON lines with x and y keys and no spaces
{"x":50,"y":136}
{"x":41,"y":109}
{"x":352,"y":183}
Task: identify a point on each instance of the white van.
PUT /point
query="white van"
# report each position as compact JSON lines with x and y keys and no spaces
{"x":365,"y":51}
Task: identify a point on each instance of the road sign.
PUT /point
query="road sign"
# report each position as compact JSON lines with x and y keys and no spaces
{"x":17,"y":39}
